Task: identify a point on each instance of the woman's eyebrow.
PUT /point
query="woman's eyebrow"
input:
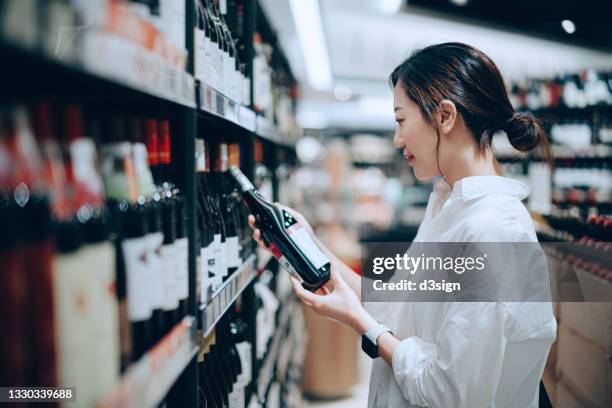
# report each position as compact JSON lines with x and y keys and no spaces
{"x":395,"y":109}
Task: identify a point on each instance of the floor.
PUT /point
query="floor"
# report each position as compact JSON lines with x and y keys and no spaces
{"x":359,"y":394}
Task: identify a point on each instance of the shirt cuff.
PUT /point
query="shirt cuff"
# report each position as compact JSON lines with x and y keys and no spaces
{"x":409,"y":361}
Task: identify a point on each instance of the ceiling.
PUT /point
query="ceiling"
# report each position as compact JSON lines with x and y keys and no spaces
{"x":364,"y":44}
{"x":592,"y":18}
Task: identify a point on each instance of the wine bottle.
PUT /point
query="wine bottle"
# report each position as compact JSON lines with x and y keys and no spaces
{"x":290,"y":243}
{"x":182,"y":253}
{"x":209,"y":282}
{"x":219,"y":235}
{"x":135,"y":246}
{"x":224,"y":187}
{"x":170,"y":263}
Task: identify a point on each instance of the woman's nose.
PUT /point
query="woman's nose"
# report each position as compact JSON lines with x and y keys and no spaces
{"x":397,"y":140}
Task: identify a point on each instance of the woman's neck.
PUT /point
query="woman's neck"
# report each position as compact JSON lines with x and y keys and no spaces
{"x":471,"y":162}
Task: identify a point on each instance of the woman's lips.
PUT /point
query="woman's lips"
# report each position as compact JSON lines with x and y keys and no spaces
{"x":409,"y":157}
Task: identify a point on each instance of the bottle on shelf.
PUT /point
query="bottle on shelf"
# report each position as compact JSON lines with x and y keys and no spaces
{"x":224,"y":187}
{"x":131,"y":226}
{"x":28,"y":255}
{"x":209,"y":280}
{"x":290,"y":243}
{"x":220,"y":233}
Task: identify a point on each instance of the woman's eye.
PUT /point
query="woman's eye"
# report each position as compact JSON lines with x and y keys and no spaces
{"x":399,"y":120}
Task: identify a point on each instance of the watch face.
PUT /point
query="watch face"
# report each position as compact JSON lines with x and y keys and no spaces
{"x":369,"y":347}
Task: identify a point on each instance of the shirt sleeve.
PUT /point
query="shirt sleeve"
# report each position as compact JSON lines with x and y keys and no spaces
{"x":462,"y":368}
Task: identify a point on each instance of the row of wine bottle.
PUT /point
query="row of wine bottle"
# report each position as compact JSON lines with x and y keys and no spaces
{"x":224,"y":365}
{"x":580,"y":133}
{"x":587,"y":88}
{"x":94,"y":255}
{"x":219,"y":48}
{"x":223,"y":235}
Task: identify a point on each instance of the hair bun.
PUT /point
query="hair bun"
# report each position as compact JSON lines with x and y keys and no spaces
{"x":524,"y":132}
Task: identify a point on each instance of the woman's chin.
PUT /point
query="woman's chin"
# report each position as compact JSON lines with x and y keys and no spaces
{"x":423,"y":176}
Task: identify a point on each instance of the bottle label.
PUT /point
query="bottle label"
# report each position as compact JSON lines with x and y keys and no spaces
{"x":244,"y":351}
{"x":182,"y":272}
{"x":154,"y":264}
{"x":213,"y":51}
{"x":228,"y":69}
{"x":233,"y":252}
{"x":302,"y":238}
{"x":204,"y":278}
{"x":135,"y":256}
{"x":169,"y":256}
{"x":284,"y":263}
{"x":220,"y":265}
{"x":210,"y":265}
{"x":206,"y":69}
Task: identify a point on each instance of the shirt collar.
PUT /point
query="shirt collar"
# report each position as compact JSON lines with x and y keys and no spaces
{"x":473,"y":187}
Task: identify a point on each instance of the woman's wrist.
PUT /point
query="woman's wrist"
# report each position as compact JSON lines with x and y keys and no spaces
{"x":361,"y":320}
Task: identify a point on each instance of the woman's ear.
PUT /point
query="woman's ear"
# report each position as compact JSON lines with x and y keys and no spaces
{"x":446,"y":116}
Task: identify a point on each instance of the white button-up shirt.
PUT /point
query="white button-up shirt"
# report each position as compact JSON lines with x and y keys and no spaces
{"x":473,"y":354}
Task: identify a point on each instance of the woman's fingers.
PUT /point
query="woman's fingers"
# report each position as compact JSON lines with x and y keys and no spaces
{"x":251,"y":220}
{"x":304,"y":295}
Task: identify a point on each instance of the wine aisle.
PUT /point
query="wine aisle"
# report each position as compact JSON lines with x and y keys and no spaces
{"x":126,"y":245}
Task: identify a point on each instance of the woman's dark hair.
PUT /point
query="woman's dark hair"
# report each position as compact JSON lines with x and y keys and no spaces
{"x":472,"y":81}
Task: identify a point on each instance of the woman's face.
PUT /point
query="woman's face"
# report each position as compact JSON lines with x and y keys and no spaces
{"x":415,"y":136}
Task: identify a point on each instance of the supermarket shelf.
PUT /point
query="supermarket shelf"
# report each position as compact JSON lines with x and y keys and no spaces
{"x":267,"y":130}
{"x":564,"y":111}
{"x":215,"y":103}
{"x":148,"y":381}
{"x":225,"y":296}
{"x":266,"y":372}
{"x":171,"y":85}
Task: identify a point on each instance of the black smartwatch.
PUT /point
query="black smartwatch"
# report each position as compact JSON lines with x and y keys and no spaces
{"x":369,"y":339}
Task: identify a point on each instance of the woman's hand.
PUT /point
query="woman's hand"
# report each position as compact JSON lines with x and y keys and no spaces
{"x":337,"y":301}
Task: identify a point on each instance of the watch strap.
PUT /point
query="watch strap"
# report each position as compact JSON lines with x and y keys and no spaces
{"x":375,"y":331}
{"x":369,"y":343}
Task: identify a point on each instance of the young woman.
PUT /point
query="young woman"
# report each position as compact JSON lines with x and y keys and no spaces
{"x":449,"y":100}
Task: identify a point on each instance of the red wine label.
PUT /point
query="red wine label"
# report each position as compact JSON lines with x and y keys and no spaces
{"x":275,"y":251}
{"x":302,"y":238}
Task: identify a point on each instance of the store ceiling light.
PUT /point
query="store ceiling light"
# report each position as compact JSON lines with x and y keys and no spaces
{"x":309,"y":27}
{"x":390,"y":6}
{"x":568,"y":26}
{"x":460,"y":3}
{"x":343,"y":93}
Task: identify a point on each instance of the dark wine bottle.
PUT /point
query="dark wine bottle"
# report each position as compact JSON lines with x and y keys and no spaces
{"x":291,"y":244}
{"x":223,"y":187}
{"x":170,"y":266}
